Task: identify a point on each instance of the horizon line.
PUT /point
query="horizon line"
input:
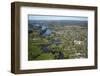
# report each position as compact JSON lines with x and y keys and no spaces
{"x":76,"y":18}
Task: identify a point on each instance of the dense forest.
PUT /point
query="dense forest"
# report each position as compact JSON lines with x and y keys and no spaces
{"x":57,"y":39}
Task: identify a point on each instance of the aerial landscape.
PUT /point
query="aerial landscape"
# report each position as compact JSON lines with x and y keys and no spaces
{"x":57,"y":37}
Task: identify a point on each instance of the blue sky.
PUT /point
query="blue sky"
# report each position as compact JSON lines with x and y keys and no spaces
{"x":40,"y":17}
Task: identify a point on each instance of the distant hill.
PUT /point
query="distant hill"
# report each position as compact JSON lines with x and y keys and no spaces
{"x":59,"y":22}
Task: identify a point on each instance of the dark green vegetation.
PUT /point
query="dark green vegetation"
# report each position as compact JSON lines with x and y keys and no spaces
{"x":54,"y":41}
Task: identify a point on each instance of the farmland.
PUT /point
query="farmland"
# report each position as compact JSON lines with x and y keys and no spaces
{"x":48,"y":40}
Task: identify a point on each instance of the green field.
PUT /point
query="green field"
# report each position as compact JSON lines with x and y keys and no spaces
{"x":65,"y":42}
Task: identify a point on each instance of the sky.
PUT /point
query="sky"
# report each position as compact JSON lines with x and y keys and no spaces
{"x":42,"y":17}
